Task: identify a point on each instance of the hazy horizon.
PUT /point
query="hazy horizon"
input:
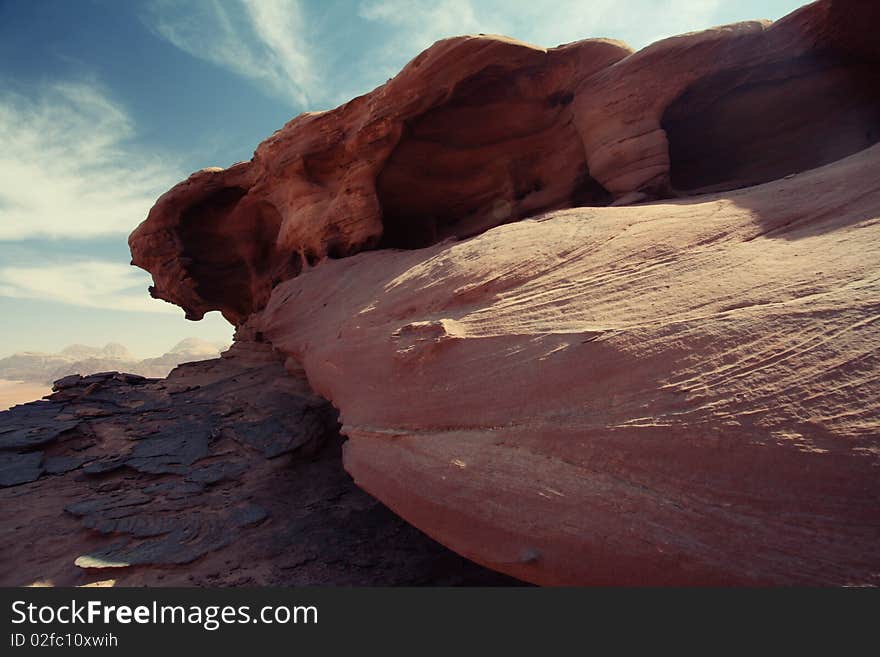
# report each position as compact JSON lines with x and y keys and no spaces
{"x":103,"y":346}
{"x":105,"y":105}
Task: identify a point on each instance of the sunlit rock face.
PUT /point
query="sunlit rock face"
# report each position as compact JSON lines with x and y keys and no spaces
{"x":680,"y":391}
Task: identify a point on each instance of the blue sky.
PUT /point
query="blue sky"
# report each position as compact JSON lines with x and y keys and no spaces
{"x":106,"y":104}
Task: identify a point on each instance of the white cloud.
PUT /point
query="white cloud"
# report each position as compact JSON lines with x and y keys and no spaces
{"x":89,"y":283}
{"x":264,"y":40}
{"x":320,"y":58}
{"x":68,"y":168}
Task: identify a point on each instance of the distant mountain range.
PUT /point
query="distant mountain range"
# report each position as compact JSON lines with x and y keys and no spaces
{"x":37,"y":367}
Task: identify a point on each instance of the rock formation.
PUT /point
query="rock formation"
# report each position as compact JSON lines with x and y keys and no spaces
{"x":684,"y":392}
{"x":479,"y":131}
{"x":589,"y":316}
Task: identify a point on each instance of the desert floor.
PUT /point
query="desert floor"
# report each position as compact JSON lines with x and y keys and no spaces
{"x":19,"y":392}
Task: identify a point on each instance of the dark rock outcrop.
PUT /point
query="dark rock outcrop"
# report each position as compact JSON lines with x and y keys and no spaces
{"x":227,"y":472}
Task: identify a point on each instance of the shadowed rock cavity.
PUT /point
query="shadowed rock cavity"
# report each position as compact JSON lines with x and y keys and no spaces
{"x":500,"y":149}
{"x":753,"y":125}
{"x":230,"y":272}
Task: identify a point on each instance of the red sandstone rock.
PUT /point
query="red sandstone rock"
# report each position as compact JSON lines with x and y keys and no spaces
{"x":478,"y":131}
{"x":324,"y":183}
{"x":676,"y":393}
{"x":682,"y":391}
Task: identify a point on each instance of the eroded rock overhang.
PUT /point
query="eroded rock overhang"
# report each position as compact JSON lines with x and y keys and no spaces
{"x":483,"y":130}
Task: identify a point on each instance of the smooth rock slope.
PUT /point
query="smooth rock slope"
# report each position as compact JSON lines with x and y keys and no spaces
{"x":674,"y":393}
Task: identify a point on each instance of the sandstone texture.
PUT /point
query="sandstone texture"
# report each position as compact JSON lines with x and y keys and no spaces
{"x":676,"y":393}
{"x":589,"y":316}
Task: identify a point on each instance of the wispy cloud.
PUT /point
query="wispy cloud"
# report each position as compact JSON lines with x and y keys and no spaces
{"x":264,"y":40}
{"x":315,"y":56}
{"x":89,"y":283}
{"x":68,"y":167}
